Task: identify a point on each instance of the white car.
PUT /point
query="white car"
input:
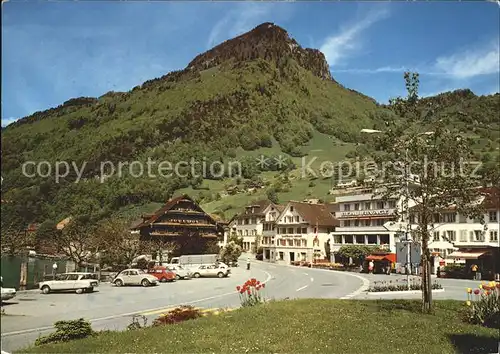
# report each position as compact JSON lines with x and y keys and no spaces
{"x":212,"y":270}
{"x":180,"y":271}
{"x":78,"y":282}
{"x":7,"y":293}
{"x":135,"y":277}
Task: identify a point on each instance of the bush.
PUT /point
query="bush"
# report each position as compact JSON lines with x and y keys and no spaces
{"x":250,"y":293}
{"x":66,"y":331}
{"x":136,"y":324}
{"x":483,"y":305}
{"x":179,"y":314}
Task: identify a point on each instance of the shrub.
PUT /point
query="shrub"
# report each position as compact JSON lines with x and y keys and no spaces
{"x":66,"y":331}
{"x":483,"y":305}
{"x":250,"y":293}
{"x":136,"y":324}
{"x":179,"y":314}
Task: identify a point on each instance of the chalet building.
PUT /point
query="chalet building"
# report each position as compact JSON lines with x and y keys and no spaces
{"x":183,"y":221}
{"x":298,"y":232}
{"x":456,"y":238}
{"x":362,"y":215}
{"x":249,"y":224}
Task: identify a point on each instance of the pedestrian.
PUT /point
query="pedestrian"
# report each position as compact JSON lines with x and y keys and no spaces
{"x":248,"y":263}
{"x":474,"y":269}
{"x":370,"y":267}
{"x":389,"y":266}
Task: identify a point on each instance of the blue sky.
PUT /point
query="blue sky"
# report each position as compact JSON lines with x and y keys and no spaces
{"x":53,"y":51}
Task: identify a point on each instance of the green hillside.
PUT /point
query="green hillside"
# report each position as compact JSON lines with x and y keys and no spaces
{"x":226,"y":107}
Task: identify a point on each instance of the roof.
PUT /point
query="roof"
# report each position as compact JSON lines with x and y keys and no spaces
{"x":315,"y":214}
{"x":491,"y":199}
{"x":259,"y":207}
{"x":169,"y":205}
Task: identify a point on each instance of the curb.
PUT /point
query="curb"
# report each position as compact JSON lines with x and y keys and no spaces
{"x":205,"y":312}
{"x":402,"y":292}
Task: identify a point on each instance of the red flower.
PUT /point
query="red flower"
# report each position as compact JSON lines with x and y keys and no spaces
{"x":258,"y":282}
{"x":238,"y":288}
{"x":258,"y":287}
{"x":242,"y":291}
{"x":248,"y":291}
{"x":476,"y":291}
{"x":263,"y":285}
{"x":498,"y":285}
{"x":486,"y":287}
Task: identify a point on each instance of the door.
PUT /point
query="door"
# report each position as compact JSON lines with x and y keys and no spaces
{"x":61,"y":283}
{"x":134,"y":277}
{"x":72,"y":282}
{"x":292,"y":256}
{"x":125,"y":277}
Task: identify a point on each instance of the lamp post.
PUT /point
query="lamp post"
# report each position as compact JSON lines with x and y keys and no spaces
{"x":54,"y":270}
{"x":406,"y":218}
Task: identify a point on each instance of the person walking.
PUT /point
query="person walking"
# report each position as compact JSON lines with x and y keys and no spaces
{"x":474,"y":269}
{"x":371,"y":265}
{"x":248,"y":263}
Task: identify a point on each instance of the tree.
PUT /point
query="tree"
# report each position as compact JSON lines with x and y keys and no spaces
{"x":121,"y":246}
{"x":272,"y":195}
{"x":236,"y":239}
{"x":356,"y":252}
{"x":430,"y":170}
{"x":79,"y":242}
{"x":328,"y":249}
{"x":15,"y":240}
{"x":230,"y":252}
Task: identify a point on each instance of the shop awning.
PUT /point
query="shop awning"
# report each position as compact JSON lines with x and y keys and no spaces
{"x":382,"y":257}
{"x":467,"y":255}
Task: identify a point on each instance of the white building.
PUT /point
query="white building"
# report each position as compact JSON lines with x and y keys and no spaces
{"x":248,"y":224}
{"x":362,"y":215}
{"x":457,"y":238}
{"x":298,"y":232}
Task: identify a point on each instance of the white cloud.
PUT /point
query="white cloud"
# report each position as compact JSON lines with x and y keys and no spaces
{"x":7,"y":121}
{"x":384,"y":69}
{"x":471,"y":63}
{"x":238,"y":21}
{"x":348,"y":40}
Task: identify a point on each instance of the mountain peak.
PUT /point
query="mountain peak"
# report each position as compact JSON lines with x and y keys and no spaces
{"x":266,"y":41}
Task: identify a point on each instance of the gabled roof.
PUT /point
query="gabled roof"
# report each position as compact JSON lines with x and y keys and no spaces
{"x":164,"y":209}
{"x":314,"y":214}
{"x":259,"y":207}
{"x":278,"y":207}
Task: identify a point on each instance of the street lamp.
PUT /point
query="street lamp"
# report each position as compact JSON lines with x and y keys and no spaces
{"x":406,"y":218}
{"x":54,"y":269}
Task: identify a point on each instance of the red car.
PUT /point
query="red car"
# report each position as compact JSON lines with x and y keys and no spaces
{"x":162,"y":273}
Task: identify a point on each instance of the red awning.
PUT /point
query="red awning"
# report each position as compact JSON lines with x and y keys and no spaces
{"x":382,"y":257}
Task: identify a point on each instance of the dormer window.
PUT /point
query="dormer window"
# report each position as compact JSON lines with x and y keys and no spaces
{"x":291,"y":208}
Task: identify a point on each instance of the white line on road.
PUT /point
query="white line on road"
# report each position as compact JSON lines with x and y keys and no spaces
{"x":306,"y":274}
{"x":312,"y":279}
{"x":46,"y":328}
{"x":302,"y":288}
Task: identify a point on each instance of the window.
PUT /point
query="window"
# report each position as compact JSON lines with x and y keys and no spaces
{"x":478,"y":236}
{"x":436,"y":236}
{"x":297,"y":218}
{"x":360,"y":239}
{"x":337,"y":239}
{"x":356,"y":222}
{"x":291,"y":208}
{"x":450,"y":217}
{"x":290,"y":242}
{"x":380,"y":205}
{"x":297,"y":243}
{"x":380,"y":222}
{"x":290,"y":230}
{"x":304,"y":230}
{"x":463,"y":235}
{"x":356,"y":206}
{"x":492,"y":215}
{"x":451,"y":235}
{"x":349,"y":239}
{"x":368,"y":206}
{"x":493,"y":235}
{"x":368,"y":222}
{"x":347,"y":207}
{"x":392,"y":204}
{"x":281,"y":255}
{"x":347,"y":223}
{"x":436,"y":218}
{"x":246,"y":232}
{"x":72,"y":277}
{"x":246,"y":221}
{"x":304,"y":243}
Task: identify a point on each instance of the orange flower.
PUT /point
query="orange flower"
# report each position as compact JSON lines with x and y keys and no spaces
{"x":488,"y":292}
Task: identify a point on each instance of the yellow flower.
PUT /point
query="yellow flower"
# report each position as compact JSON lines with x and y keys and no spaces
{"x":480,"y":286}
{"x":468,"y":303}
{"x":491,"y":283}
{"x":469,"y":290}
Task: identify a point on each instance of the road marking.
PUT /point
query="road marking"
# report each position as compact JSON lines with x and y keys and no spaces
{"x":306,"y":274}
{"x":302,"y":288}
{"x":47,"y":328}
{"x":312,"y":279}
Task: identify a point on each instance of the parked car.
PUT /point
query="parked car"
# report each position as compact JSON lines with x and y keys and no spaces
{"x":163,"y":274}
{"x":212,"y":270}
{"x":181,"y":272}
{"x":135,"y":277}
{"x":78,"y":282}
{"x":7,"y":293}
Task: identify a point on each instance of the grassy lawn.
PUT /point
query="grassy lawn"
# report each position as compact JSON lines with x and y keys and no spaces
{"x":304,"y":326}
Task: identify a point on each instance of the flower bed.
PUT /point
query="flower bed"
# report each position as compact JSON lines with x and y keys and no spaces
{"x":483,"y":305}
{"x":250,"y":293}
{"x":401,"y":285}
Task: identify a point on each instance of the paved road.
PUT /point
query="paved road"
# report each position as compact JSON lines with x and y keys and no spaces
{"x":33,"y":314}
